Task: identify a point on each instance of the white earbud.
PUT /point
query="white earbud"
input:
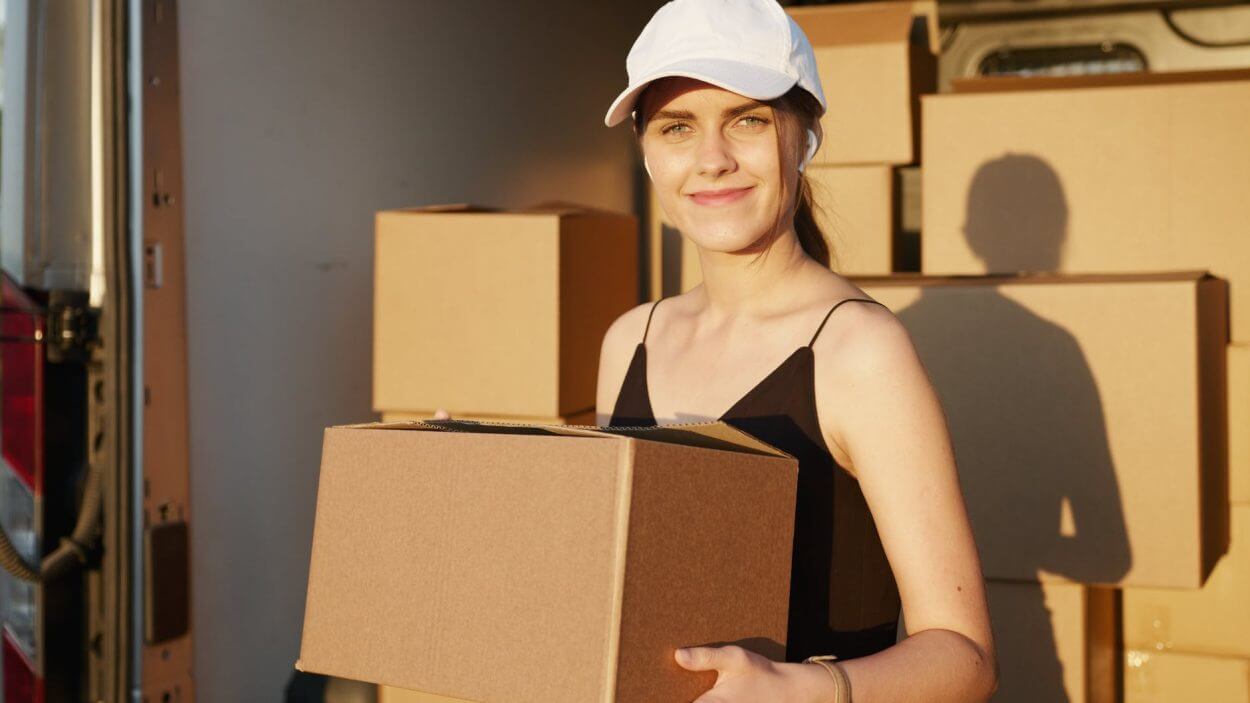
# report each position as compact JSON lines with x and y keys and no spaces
{"x":647,"y":166}
{"x":812,"y":145}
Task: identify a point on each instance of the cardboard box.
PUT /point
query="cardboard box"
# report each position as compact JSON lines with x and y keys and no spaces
{"x":545,"y":563}
{"x":1239,"y":424}
{"x":1157,"y":677}
{"x":583,"y":418}
{"x":1087,"y":415}
{"x":1055,"y":642}
{"x":502,"y":313}
{"x":1091,"y":179}
{"x":857,"y":211}
{"x":875,"y":60}
{"x":1212,"y":620}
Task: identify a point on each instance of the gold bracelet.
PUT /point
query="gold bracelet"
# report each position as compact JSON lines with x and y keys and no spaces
{"x":841,"y":684}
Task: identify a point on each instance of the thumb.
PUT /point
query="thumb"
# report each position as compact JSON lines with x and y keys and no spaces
{"x":699,"y":658}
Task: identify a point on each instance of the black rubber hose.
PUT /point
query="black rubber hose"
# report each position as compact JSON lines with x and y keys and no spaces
{"x":72,"y":551}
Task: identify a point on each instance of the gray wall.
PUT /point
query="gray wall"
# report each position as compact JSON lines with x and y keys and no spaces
{"x":300,"y":120}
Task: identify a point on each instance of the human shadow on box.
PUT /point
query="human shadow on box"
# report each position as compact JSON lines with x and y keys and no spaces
{"x":1024,"y":367}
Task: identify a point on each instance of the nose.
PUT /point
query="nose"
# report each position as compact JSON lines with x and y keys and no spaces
{"x":715,"y":155}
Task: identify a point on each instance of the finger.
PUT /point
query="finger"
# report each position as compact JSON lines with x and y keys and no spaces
{"x":441,"y":414}
{"x":707,"y":658}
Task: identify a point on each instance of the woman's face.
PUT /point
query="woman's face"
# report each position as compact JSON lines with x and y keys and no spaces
{"x":714,"y":162}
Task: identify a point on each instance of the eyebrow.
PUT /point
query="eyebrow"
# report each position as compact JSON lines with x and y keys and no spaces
{"x":688,"y":115}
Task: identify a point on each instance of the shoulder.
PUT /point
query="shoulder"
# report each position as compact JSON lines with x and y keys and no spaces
{"x":866,"y":367}
{"x":860,"y":339}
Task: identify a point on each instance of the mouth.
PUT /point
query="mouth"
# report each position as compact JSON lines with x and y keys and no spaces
{"x":719,"y":197}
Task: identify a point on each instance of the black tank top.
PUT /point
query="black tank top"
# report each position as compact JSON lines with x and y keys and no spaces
{"x":843,"y":597}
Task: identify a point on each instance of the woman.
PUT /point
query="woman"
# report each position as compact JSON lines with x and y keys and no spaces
{"x":726,"y":105}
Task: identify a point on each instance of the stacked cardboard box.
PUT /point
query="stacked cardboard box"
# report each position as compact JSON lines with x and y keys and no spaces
{"x":1041,"y":378}
{"x":1149,"y":172}
{"x":878,"y":57}
{"x":1055,"y":641}
{"x":497,"y":314}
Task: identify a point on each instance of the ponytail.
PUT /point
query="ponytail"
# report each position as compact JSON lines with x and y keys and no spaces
{"x":811,"y":237}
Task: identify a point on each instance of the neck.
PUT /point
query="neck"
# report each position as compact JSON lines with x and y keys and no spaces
{"x":736,"y":284}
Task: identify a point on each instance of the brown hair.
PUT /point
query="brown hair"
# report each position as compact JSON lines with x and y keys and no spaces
{"x":795,"y":112}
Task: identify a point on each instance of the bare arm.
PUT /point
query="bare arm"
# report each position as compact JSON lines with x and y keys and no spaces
{"x":890,"y":423}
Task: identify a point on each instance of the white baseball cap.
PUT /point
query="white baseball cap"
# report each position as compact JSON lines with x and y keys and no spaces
{"x":751,"y":47}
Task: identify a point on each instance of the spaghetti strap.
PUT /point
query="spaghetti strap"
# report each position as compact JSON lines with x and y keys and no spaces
{"x":648,"y":327}
{"x":835,"y":307}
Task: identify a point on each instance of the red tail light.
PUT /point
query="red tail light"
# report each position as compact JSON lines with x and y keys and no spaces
{"x":21,"y":482}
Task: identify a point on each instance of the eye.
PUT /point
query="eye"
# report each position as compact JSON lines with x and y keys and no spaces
{"x":671,"y":128}
{"x":759,"y":121}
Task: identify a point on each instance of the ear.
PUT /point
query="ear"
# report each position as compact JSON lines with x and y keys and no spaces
{"x":813,"y":143}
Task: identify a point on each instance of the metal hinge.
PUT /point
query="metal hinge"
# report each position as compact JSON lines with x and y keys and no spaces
{"x":73,"y":326}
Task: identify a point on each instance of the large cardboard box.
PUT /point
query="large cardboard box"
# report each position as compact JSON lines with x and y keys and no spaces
{"x":875,"y":60}
{"x":1055,"y":642}
{"x":1087,"y":415}
{"x":545,"y":563}
{"x":1212,"y":620}
{"x":1091,"y":179}
{"x":857,"y":209}
{"x":497,"y":312}
{"x":1168,"y":677}
{"x":1239,"y":424}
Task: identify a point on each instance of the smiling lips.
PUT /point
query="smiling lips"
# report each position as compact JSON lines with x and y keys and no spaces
{"x":719,"y":197}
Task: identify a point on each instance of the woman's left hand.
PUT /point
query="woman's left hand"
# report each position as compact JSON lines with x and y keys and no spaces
{"x":743,"y":676}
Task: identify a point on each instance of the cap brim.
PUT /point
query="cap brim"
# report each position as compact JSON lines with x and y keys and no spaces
{"x":743,"y":78}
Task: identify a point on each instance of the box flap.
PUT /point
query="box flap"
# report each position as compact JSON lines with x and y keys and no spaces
{"x":868,"y":23}
{"x":1003,"y":84}
{"x":708,"y":435}
{"x":563,"y":207}
{"x":446,"y":207}
{"x":961,"y":279}
{"x":713,"y":435}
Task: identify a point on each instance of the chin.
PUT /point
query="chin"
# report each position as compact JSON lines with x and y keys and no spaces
{"x":725,"y":238}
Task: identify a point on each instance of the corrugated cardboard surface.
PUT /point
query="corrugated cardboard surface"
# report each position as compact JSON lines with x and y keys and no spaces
{"x":1087,"y":418}
{"x":691,"y":571}
{"x":497,"y":312}
{"x":873,"y":67}
{"x":1091,"y":179}
{"x":1165,"y":677}
{"x":490,"y":565}
{"x":1050,"y":642}
{"x":1212,"y":620}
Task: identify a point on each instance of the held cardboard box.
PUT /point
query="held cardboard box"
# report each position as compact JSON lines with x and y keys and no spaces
{"x":1167,"y":677}
{"x":494,"y":312}
{"x":1087,"y":415}
{"x":857,"y":209}
{"x":1091,"y":179}
{"x":1212,"y":620}
{"x":582,"y":418}
{"x":492,"y":562}
{"x":1055,"y":642}
{"x":875,"y":60}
